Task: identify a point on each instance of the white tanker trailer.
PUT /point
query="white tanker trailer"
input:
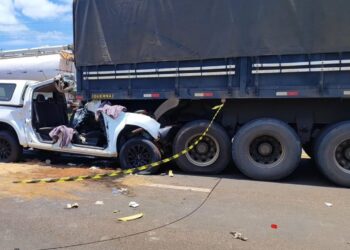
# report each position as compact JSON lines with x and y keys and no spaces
{"x":38,"y":64}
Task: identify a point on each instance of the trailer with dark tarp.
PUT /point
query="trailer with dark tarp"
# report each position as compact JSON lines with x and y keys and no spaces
{"x":282,"y":67}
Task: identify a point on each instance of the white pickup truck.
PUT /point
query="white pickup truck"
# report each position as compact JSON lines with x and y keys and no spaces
{"x":30,"y":110}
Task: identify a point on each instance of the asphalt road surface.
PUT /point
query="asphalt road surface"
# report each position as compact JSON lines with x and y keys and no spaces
{"x":180,"y":212}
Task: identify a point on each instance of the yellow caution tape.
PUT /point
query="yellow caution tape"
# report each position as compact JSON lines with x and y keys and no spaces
{"x":130,"y":170}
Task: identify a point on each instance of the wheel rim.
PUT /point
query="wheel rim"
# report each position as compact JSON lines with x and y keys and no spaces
{"x":266,"y":150}
{"x":138,"y":155}
{"x":342,"y":155}
{"x":205,"y":153}
{"x":5,"y":150}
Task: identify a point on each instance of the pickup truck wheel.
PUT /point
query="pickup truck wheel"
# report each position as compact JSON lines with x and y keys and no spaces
{"x":209,"y":156}
{"x":137,"y":152}
{"x":10,"y":149}
{"x":332,"y":153}
{"x":266,"y":149}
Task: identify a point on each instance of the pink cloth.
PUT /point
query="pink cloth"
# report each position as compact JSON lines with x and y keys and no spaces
{"x":62,"y":132}
{"x":111,"y":111}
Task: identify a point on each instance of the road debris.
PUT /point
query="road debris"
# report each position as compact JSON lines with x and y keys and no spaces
{"x":239,"y":236}
{"x":132,"y":217}
{"x":94,"y":168}
{"x":74,"y":205}
{"x":133,"y":204}
{"x":154,"y":239}
{"x":105,"y":238}
{"x":274,"y":226}
{"x":99,"y":203}
{"x":116,"y":211}
{"x":328,"y":204}
{"x":116,"y":191}
{"x":170,"y":173}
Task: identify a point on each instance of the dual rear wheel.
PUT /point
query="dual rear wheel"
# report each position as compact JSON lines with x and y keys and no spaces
{"x":264,"y":149}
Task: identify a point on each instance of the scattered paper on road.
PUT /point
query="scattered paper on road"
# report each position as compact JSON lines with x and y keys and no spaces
{"x":133,"y":204}
{"x":74,"y":205}
{"x":239,"y":236}
{"x":116,"y":191}
{"x":328,"y":204}
{"x":94,"y":168}
{"x":99,"y":203}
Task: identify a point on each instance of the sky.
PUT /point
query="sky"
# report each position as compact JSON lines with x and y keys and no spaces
{"x":35,"y":23}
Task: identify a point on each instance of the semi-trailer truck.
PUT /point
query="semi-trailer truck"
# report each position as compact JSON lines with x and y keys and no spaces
{"x":282,"y":68}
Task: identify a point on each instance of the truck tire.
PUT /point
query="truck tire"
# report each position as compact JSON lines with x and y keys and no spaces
{"x":332,"y":153}
{"x":210,"y":156}
{"x":10,"y":149}
{"x":266,"y":149}
{"x":137,"y":152}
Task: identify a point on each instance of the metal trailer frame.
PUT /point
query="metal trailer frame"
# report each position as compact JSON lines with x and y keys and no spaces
{"x":283,"y":76}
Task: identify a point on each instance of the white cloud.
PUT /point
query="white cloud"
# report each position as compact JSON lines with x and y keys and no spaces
{"x":43,"y":9}
{"x":14,"y":32}
{"x":8,"y":20}
{"x":51,"y":36}
{"x":34,"y":9}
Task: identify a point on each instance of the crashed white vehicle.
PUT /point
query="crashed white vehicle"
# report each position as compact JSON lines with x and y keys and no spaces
{"x":30,"y":110}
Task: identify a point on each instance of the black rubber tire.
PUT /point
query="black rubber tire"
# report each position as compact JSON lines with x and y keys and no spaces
{"x":281,"y":132}
{"x":149,"y":146}
{"x":216,"y":134}
{"x":15,"y":148}
{"x":324,"y":151}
